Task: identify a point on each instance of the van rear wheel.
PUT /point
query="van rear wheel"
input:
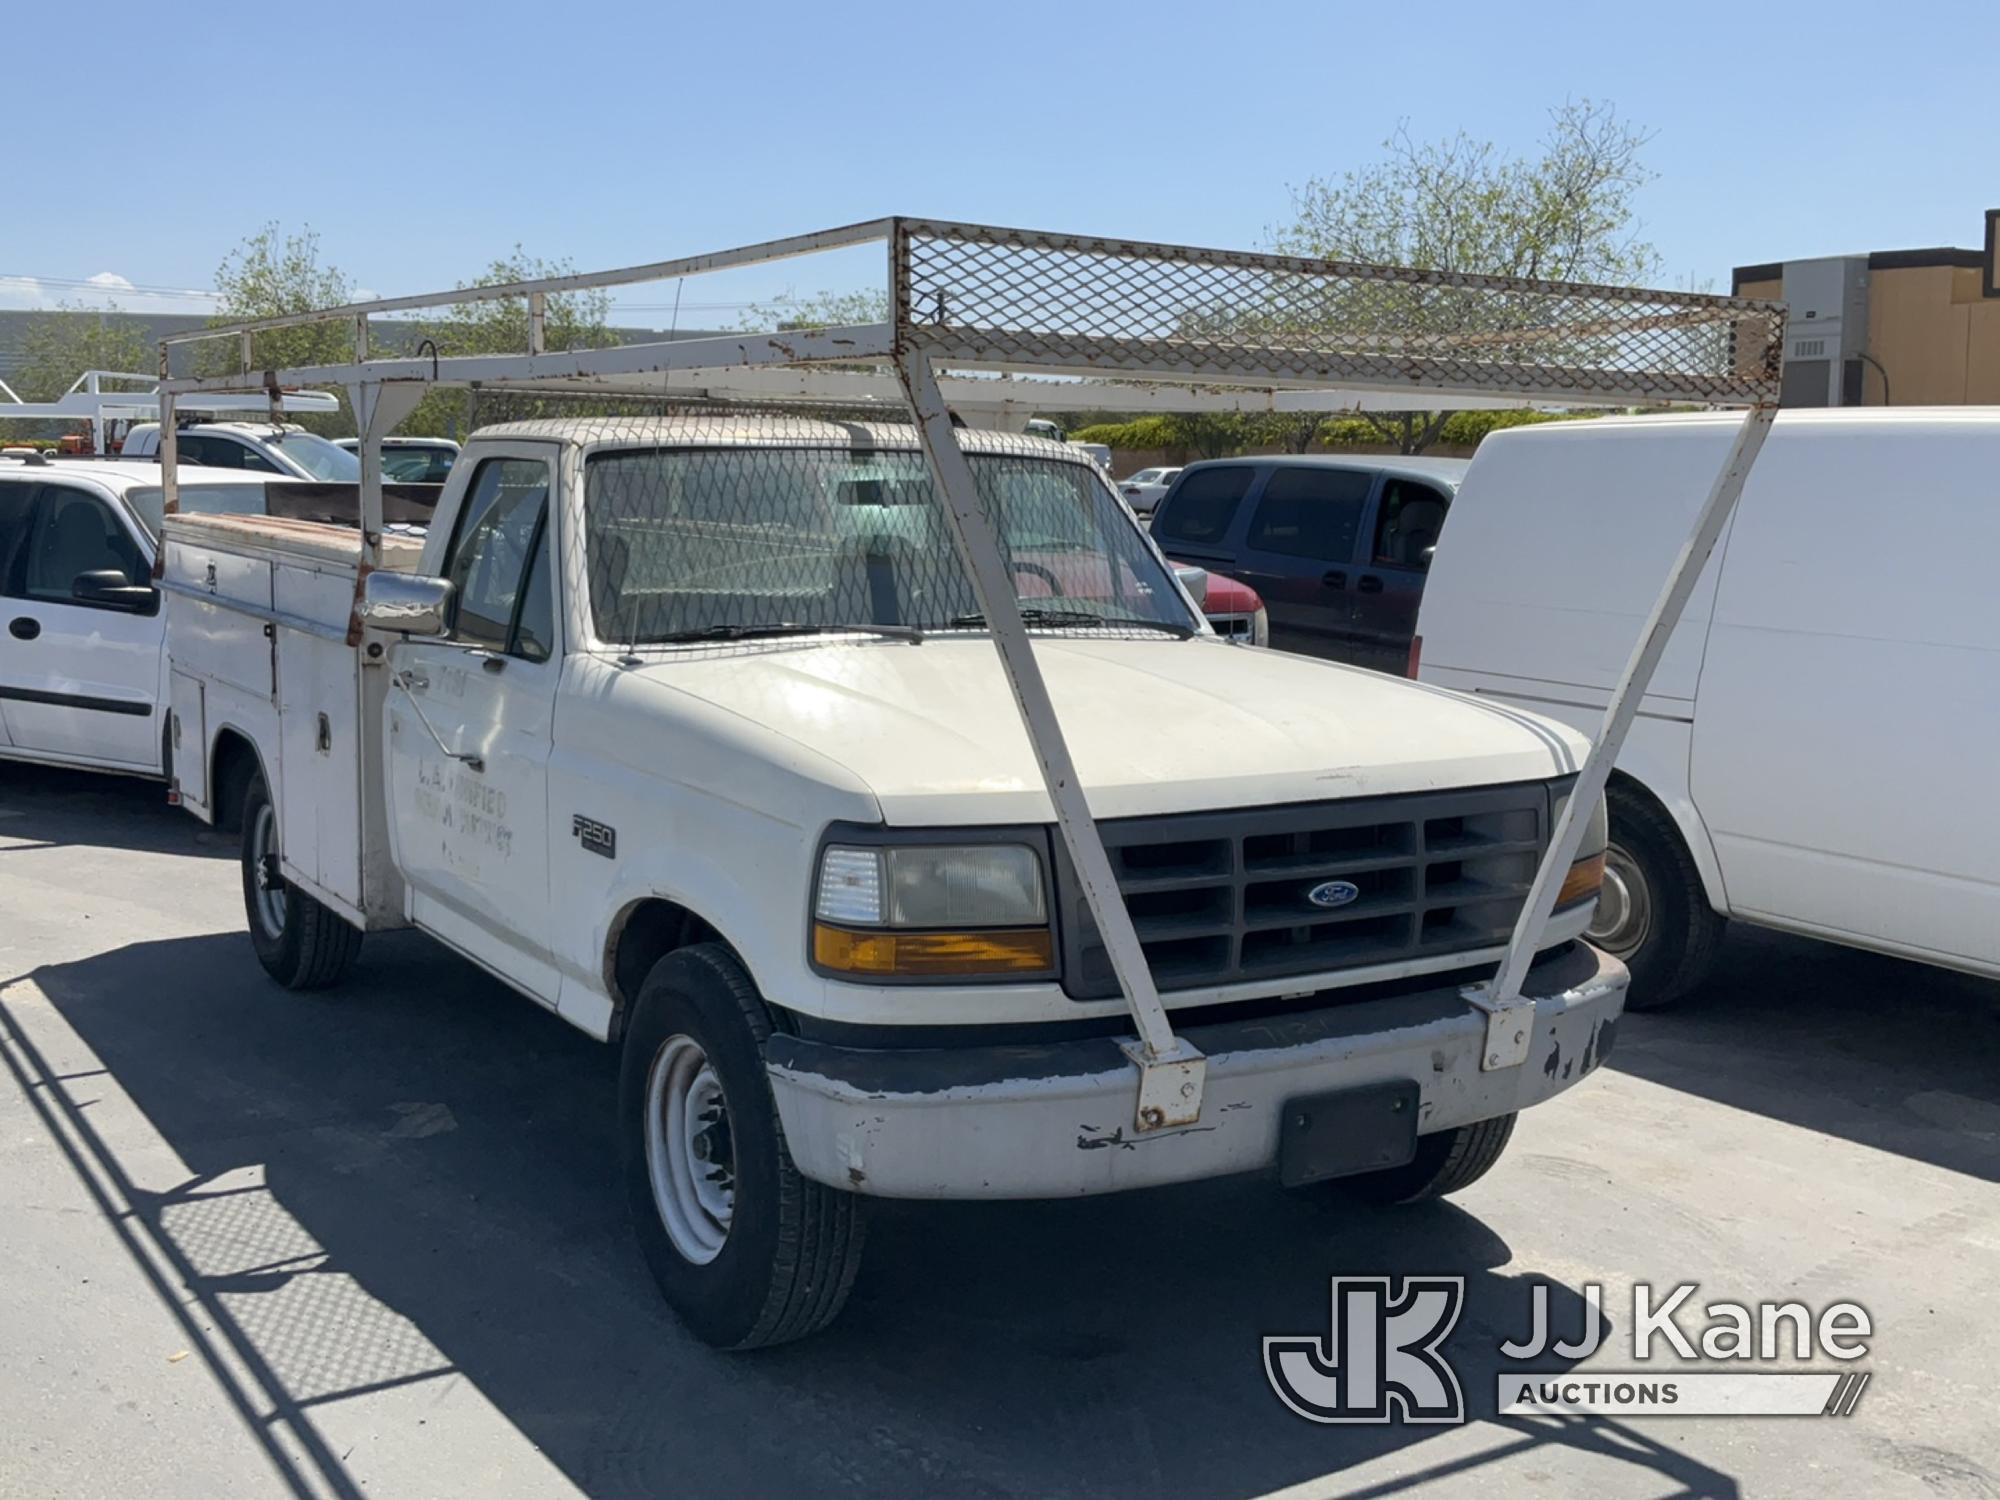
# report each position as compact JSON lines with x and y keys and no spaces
{"x":302,"y":943}
{"x":1653,"y":913}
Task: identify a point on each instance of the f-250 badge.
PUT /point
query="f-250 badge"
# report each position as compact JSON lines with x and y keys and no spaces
{"x":596,"y":837}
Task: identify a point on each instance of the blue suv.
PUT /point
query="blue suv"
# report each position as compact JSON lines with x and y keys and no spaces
{"x":1338,"y":547}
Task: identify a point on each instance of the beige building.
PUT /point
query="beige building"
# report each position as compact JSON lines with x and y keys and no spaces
{"x":1897,"y":327}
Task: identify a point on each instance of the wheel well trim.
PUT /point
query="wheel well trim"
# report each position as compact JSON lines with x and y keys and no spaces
{"x":1681,"y":812}
{"x":702,"y":929}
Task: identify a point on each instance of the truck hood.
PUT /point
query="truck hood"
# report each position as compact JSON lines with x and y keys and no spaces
{"x":1154,"y":726}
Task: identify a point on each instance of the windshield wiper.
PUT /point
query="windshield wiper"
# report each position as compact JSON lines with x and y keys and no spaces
{"x":762,"y":632}
{"x":1034,"y":614}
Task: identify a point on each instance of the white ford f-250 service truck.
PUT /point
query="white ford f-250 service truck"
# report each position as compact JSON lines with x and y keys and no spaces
{"x":876,"y":786}
{"x":685,"y":730}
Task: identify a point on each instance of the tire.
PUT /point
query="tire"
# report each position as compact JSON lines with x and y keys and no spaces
{"x":301,"y":943}
{"x":1654,"y":914}
{"x":787,"y":1251}
{"x":1444,"y":1163}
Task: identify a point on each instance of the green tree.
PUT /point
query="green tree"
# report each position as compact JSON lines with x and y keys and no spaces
{"x":58,"y":346}
{"x":570,"y":320}
{"x":1564,"y":214}
{"x":274,"y":274}
{"x":820,"y":310}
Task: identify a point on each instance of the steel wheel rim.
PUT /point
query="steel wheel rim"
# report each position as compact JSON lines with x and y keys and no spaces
{"x":690,"y":1156}
{"x":1624,"y":916}
{"x":270,"y":900}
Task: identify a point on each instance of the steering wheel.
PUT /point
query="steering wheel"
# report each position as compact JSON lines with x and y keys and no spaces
{"x":1055,"y":585}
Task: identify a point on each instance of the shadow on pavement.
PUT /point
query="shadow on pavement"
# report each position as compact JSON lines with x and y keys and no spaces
{"x":47,"y":807}
{"x":412,"y":1177}
{"x":1899,"y":1056}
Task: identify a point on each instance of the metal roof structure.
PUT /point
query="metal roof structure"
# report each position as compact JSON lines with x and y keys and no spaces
{"x":1131,"y":325}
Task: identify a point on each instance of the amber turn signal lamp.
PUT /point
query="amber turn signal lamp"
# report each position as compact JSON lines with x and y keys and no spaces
{"x":941,"y":954}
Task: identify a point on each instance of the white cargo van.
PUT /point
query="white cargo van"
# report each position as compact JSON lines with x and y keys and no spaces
{"x":1816,"y":752}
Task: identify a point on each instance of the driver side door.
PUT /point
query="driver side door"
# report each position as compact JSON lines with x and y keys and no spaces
{"x":471,"y":718}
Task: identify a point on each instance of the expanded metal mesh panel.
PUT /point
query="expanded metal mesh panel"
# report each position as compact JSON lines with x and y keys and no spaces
{"x":737,"y":531}
{"x":974,"y":295}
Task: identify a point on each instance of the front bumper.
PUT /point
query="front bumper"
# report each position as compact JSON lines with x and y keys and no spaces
{"x":1055,"y":1121}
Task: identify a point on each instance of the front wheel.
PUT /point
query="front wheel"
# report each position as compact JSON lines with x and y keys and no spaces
{"x":302,"y":943}
{"x":746,"y":1249}
{"x":1445,"y":1162}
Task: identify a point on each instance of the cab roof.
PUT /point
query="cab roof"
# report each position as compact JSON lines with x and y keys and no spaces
{"x":775,"y":431}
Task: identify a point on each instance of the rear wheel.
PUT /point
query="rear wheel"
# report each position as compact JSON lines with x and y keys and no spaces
{"x":1444,"y":1163}
{"x":745,"y":1248}
{"x":1653,"y":912}
{"x":301,"y":943}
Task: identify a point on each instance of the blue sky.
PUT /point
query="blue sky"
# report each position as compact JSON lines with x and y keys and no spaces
{"x":420,"y":141}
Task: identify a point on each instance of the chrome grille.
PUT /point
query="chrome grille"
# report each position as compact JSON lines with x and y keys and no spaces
{"x":1220,"y":897}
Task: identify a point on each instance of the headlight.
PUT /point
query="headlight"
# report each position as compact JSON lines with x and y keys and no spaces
{"x":932,"y":909}
{"x":1586,"y":872}
{"x":1260,"y":627}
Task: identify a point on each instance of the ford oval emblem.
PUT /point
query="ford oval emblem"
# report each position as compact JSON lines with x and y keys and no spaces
{"x":1331,"y":893}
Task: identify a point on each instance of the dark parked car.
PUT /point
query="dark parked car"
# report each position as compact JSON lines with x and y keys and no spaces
{"x":1338,"y":547}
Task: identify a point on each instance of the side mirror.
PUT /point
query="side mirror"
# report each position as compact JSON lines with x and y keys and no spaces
{"x":407,"y":603}
{"x":1195,"y":581}
{"x":108,"y":588}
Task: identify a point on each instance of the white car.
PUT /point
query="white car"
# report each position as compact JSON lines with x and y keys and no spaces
{"x":1142,"y":490}
{"x":83,"y":675}
{"x":411,"y":460}
{"x":1820,"y":736}
{"x":1099,"y":454}
{"x":695,"y":735}
{"x":285,"y":450}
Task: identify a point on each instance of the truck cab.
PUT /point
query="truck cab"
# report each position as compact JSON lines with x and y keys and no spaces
{"x":692,"y":731}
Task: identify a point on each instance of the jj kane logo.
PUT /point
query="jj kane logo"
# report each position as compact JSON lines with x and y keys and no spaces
{"x":1380,"y":1357}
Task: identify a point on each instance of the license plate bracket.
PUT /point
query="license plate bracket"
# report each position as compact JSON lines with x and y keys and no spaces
{"x":1366,"y":1129}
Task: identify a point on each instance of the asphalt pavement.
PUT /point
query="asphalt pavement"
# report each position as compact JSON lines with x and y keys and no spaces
{"x":370,"y":1242}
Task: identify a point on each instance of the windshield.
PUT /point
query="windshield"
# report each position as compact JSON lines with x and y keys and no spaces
{"x":149,"y":502}
{"x":687,"y":541}
{"x":319,"y":458}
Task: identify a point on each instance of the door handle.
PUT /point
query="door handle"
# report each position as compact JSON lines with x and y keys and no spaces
{"x":1369,"y":584}
{"x":24,"y":627}
{"x":1334,"y":580}
{"x":492,"y":661}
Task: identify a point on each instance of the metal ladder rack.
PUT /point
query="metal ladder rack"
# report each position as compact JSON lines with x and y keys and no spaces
{"x":1123,"y":323}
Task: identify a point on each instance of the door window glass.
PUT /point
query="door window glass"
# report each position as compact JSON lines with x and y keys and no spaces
{"x":1203,"y":505}
{"x":214,"y":452}
{"x":73,"y":532}
{"x":535,"y":629}
{"x":1310,"y":512}
{"x":1412,"y":516}
{"x":14,"y":500}
{"x":490,"y":551}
